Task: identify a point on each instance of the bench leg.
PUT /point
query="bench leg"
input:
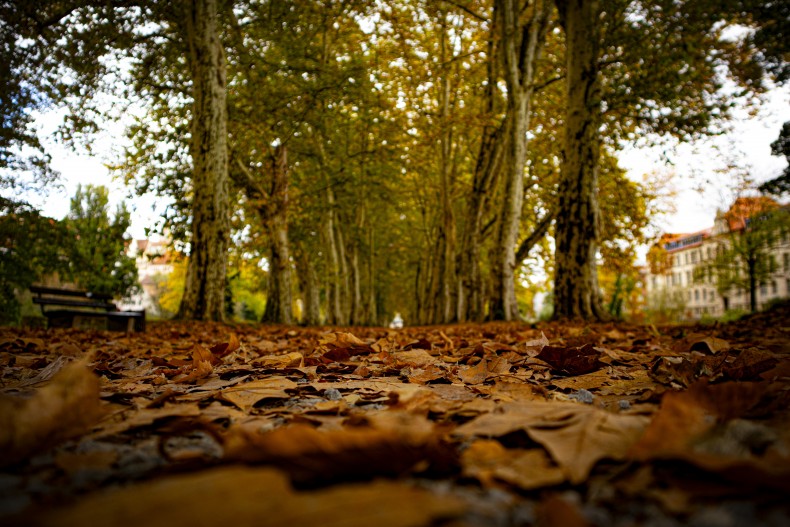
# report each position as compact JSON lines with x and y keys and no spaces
{"x":130,"y":326}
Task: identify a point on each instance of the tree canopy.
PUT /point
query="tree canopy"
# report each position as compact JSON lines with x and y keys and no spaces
{"x":381,"y":157}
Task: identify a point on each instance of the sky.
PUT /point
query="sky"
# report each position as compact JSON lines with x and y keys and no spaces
{"x":700,"y":188}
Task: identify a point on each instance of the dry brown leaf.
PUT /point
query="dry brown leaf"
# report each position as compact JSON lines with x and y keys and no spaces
{"x":246,"y":395}
{"x":65,"y":407}
{"x":588,"y":381}
{"x":685,"y":416}
{"x":414,"y":357}
{"x":293,"y":359}
{"x":344,"y":341}
{"x":555,"y":511}
{"x":396,"y":444}
{"x":709,"y":345}
{"x":571,"y":361}
{"x":202,"y":366}
{"x":133,"y":418}
{"x":250,"y":497}
{"x":534,"y":347}
{"x":488,"y":460}
{"x":576,"y":436}
{"x":484,"y":370}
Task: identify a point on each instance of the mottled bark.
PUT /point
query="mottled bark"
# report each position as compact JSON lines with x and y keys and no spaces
{"x":538,"y":233}
{"x":204,"y":293}
{"x":372,"y":307}
{"x":470,"y":301}
{"x":334,"y":309}
{"x":279,"y":302}
{"x":521,"y":43}
{"x":576,"y":293}
{"x":444,"y":312}
{"x":311,"y":314}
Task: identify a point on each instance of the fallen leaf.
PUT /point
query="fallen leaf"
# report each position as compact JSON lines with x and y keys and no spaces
{"x":576,"y":436}
{"x":488,"y":460}
{"x":202,"y":366}
{"x":571,"y":361}
{"x":535,"y":346}
{"x":556,"y":511}
{"x":226,"y":348}
{"x":65,"y":407}
{"x":246,"y":395}
{"x":310,"y":455}
{"x":242,"y":496}
{"x":344,"y":341}
{"x":685,"y":416}
{"x":709,"y":345}
{"x":293,"y":359}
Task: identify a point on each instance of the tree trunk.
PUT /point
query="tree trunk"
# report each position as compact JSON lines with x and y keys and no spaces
{"x":576,"y":293}
{"x":444,"y":306}
{"x":279,"y":303}
{"x":521,"y":47}
{"x":334,"y":309}
{"x":310,"y":295}
{"x":470,"y":302}
{"x":204,"y":293}
{"x":751,"y":265}
{"x":372,"y":311}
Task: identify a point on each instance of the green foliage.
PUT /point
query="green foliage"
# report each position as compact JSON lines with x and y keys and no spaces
{"x":97,"y":252}
{"x":31,"y":246}
{"x":781,"y":147}
{"x":745,"y":261}
{"x":665,"y":307}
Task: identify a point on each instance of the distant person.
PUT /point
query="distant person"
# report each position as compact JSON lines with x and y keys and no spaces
{"x":397,"y":322}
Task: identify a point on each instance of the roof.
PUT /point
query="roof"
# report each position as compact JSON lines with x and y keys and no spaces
{"x":675,"y":242}
{"x":744,"y":208}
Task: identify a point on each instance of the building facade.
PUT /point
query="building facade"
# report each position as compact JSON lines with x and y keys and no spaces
{"x":682,"y":272}
{"x":154,"y":262}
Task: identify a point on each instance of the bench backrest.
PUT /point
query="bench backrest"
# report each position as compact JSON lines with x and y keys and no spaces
{"x":40,"y":290}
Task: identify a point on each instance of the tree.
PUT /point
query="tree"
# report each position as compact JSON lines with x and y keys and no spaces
{"x":744,"y":261}
{"x":96,"y":250}
{"x":21,"y":95}
{"x":576,"y":279}
{"x":781,"y":147}
{"x":521,"y":41}
{"x":659,"y":70}
{"x":82,"y":45}
{"x":204,"y":292}
{"x":31,"y":247}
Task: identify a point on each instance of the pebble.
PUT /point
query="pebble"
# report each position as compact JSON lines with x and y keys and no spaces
{"x":583,"y":396}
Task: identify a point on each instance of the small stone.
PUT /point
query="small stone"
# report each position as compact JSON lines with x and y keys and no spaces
{"x":333,"y":394}
{"x":583,"y":396}
{"x":624,"y":405}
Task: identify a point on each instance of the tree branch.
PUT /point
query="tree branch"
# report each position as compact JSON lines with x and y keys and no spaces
{"x":529,"y":242}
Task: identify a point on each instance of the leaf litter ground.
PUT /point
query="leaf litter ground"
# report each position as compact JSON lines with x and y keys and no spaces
{"x":492,"y":424}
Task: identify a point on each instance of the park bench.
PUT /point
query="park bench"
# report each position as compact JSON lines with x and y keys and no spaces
{"x":84,"y":309}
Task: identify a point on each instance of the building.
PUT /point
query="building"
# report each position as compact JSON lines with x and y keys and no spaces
{"x":681,"y":272}
{"x":154,"y":261}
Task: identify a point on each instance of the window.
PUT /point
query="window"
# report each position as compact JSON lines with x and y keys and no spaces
{"x":774,"y":288}
{"x":763,"y":290}
{"x":786,"y":261}
{"x":687,"y":257}
{"x":694,"y":257}
{"x":688,"y":277}
{"x":696,"y":294}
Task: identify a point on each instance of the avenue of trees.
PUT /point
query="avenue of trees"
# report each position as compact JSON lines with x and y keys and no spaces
{"x":406,"y":156}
